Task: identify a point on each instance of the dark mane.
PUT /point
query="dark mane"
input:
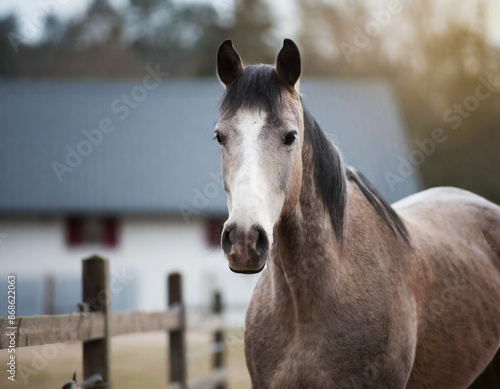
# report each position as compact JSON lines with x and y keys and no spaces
{"x":330,"y":179}
{"x":259,"y":87}
{"x":329,"y":172}
{"x":382,"y":207}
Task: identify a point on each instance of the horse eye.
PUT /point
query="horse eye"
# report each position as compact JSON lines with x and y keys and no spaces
{"x":289,"y":138}
{"x":218,"y":137}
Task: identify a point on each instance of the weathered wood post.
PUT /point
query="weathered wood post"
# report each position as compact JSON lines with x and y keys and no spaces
{"x":177,"y":342}
{"x":97,"y":297}
{"x":218,"y":362}
{"x":49,"y":294}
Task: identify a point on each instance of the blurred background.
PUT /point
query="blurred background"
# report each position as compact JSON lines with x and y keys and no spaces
{"x":107,"y":110}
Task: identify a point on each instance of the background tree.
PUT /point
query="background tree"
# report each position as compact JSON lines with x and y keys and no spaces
{"x":8,"y":62}
{"x":251,"y":31}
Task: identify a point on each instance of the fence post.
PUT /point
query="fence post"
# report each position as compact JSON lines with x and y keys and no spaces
{"x":49,"y":295}
{"x":177,"y":345}
{"x":218,"y":362}
{"x":96,"y":294}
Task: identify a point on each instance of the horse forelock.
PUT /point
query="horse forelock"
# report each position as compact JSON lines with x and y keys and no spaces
{"x":257,"y":88}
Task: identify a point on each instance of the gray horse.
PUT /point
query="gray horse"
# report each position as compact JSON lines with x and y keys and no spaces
{"x":356,"y":293}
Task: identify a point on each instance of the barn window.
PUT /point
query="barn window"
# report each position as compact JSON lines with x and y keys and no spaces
{"x":110,"y":231}
{"x":214,"y":231}
{"x":92,"y":230}
{"x":74,"y":231}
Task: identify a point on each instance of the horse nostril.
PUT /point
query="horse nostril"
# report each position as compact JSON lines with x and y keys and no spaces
{"x":262,"y":243}
{"x":227,"y":245}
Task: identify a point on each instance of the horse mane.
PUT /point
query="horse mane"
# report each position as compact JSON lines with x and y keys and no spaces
{"x":329,"y":173}
{"x":382,"y":207}
{"x":259,"y":87}
{"x":330,"y":178}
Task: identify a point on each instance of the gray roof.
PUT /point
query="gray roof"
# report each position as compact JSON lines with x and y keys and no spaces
{"x":162,"y":154}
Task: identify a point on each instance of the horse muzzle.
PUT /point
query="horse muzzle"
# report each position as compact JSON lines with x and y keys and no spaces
{"x":246,"y":249}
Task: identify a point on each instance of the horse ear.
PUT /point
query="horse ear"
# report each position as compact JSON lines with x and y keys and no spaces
{"x":288,"y":65}
{"x":229,"y":65}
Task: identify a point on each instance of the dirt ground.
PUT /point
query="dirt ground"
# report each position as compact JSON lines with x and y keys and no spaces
{"x":138,"y":361}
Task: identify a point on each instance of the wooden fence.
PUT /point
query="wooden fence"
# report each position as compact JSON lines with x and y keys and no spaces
{"x":95,"y":324}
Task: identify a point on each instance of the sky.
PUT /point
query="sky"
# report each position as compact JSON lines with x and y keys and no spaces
{"x":65,"y":8}
{"x":29,"y":10}
{"x":494,"y":21}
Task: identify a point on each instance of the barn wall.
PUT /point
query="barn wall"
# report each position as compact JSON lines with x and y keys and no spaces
{"x":148,"y":250}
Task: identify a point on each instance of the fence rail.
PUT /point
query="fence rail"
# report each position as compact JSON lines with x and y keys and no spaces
{"x":95,"y":325}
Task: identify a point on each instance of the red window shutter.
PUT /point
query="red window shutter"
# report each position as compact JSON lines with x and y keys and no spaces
{"x":214,"y":231}
{"x":110,"y":231}
{"x":75,"y":230}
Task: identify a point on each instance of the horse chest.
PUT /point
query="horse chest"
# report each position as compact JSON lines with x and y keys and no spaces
{"x":281,"y":359}
{"x":286,"y":355}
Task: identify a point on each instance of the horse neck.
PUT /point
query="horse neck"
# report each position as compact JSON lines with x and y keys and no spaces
{"x":311,"y":266}
{"x":306,"y":252}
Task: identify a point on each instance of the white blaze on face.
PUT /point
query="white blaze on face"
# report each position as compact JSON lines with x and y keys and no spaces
{"x":251,"y":199}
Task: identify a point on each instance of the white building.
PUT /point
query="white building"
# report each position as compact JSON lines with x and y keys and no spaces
{"x":133,"y":175}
